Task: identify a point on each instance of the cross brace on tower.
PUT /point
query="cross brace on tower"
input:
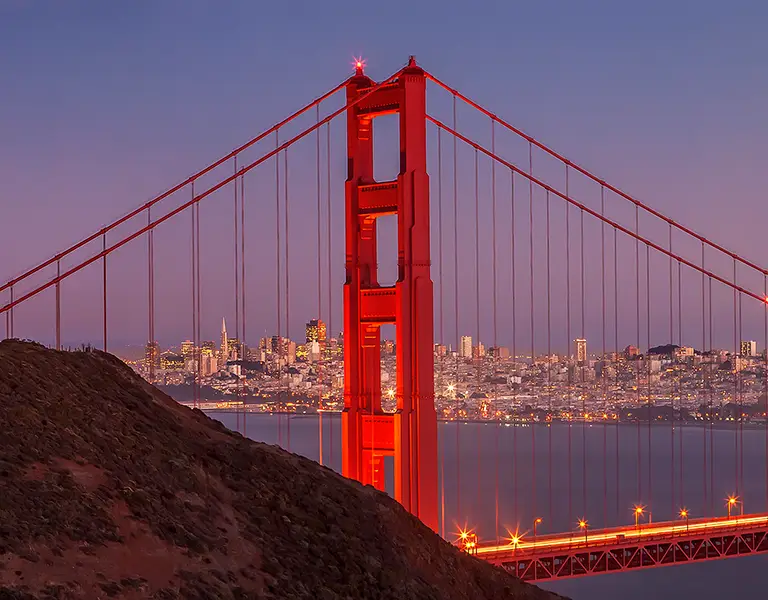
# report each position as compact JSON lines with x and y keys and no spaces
{"x":410,"y":433}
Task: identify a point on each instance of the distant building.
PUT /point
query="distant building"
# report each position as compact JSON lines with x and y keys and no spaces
{"x":208,"y":364}
{"x":187,"y":349}
{"x":234,"y":345}
{"x":152,"y":356}
{"x":315,"y":331}
{"x":479,"y":350}
{"x":170,"y":361}
{"x":581,"y":350}
{"x":748,"y":348}
{"x":224,"y":341}
{"x":631,"y":351}
{"x":465,"y":346}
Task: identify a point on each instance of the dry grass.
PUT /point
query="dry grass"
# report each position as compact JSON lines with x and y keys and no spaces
{"x":108,"y":488}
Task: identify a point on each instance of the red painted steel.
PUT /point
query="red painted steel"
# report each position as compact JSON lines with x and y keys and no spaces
{"x":594,"y":213}
{"x":368,"y":433}
{"x":176,"y":188}
{"x":8,"y":307}
{"x":593,"y":177}
{"x":625,"y":549}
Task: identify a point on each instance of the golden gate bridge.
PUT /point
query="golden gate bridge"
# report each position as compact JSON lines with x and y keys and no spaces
{"x":560,"y":234}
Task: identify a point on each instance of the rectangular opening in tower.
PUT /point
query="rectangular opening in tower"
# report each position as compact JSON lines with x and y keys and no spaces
{"x":386,"y":249}
{"x":386,"y":147}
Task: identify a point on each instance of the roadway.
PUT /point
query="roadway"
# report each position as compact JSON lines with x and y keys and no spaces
{"x":618,"y":536}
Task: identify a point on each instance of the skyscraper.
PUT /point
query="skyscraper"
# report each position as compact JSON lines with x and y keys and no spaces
{"x":581,"y":350}
{"x":152,"y":357}
{"x":315,"y":331}
{"x":465,"y":346}
{"x":224,"y":341}
{"x":187,"y":349}
{"x":748,"y":348}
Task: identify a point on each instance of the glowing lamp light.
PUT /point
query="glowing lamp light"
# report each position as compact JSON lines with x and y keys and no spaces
{"x":684,"y":513}
{"x":582,"y":524}
{"x":359,"y":63}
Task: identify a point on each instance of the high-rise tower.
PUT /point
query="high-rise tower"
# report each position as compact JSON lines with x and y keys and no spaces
{"x":368,"y":433}
{"x":224,"y":341}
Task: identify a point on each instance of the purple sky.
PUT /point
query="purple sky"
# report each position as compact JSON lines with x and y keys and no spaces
{"x":106,"y":105}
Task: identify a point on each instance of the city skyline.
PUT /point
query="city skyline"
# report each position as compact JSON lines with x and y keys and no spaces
{"x":623,"y":131}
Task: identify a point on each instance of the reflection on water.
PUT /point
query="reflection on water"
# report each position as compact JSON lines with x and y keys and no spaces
{"x":562,"y":473}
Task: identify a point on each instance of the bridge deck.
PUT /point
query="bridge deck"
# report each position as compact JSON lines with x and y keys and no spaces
{"x":616,"y":549}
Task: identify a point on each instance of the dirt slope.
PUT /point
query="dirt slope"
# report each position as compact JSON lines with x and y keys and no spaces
{"x":108,"y":488}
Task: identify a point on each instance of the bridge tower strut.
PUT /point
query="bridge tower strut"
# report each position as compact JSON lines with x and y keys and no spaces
{"x":368,"y":433}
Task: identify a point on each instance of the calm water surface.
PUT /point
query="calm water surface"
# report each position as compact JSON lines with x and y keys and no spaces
{"x":580,"y":471}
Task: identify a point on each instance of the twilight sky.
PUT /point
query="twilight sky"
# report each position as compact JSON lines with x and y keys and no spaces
{"x":106,"y":104}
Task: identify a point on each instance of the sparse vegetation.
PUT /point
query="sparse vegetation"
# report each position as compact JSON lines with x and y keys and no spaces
{"x":108,"y":488}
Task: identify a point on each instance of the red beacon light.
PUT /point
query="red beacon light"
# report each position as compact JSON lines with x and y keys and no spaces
{"x":359,"y":64}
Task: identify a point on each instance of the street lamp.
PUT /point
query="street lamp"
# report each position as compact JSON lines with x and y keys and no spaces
{"x":536,"y":521}
{"x":638,"y":512}
{"x":391,"y":393}
{"x":584,"y":525}
{"x":732,"y":501}
{"x":684,"y":515}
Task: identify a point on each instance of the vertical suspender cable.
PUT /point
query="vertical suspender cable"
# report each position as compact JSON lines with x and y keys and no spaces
{"x":104,"y":290}
{"x":153,"y":349}
{"x":58,"y":305}
{"x":741,"y":411}
{"x":195,"y":380}
{"x":679,"y":376}
{"x":319,"y":293}
{"x":602,"y":358}
{"x":549,"y":360}
{"x":616,"y":347}
{"x":674,"y":386}
{"x":533,"y":336}
{"x":287,"y":306}
{"x":456,"y":308}
{"x":711,"y":416}
{"x":278,"y":282}
{"x":735,"y":364}
{"x":648,"y":367}
{"x":706,"y":376}
{"x":330,"y":270}
{"x":478,"y":359}
{"x":638,"y":362}
{"x":237,"y":284}
{"x":243,"y":345}
{"x":568,"y":344}
{"x":512,"y":277}
{"x":441,"y":355}
{"x":583,"y":382}
{"x":765,"y":384}
{"x":495,"y":332}
{"x":196,"y":210}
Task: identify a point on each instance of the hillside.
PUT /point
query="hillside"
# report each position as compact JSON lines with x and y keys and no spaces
{"x":108,"y":488}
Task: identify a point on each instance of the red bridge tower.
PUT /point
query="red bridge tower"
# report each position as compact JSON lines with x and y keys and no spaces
{"x":368,"y":433}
